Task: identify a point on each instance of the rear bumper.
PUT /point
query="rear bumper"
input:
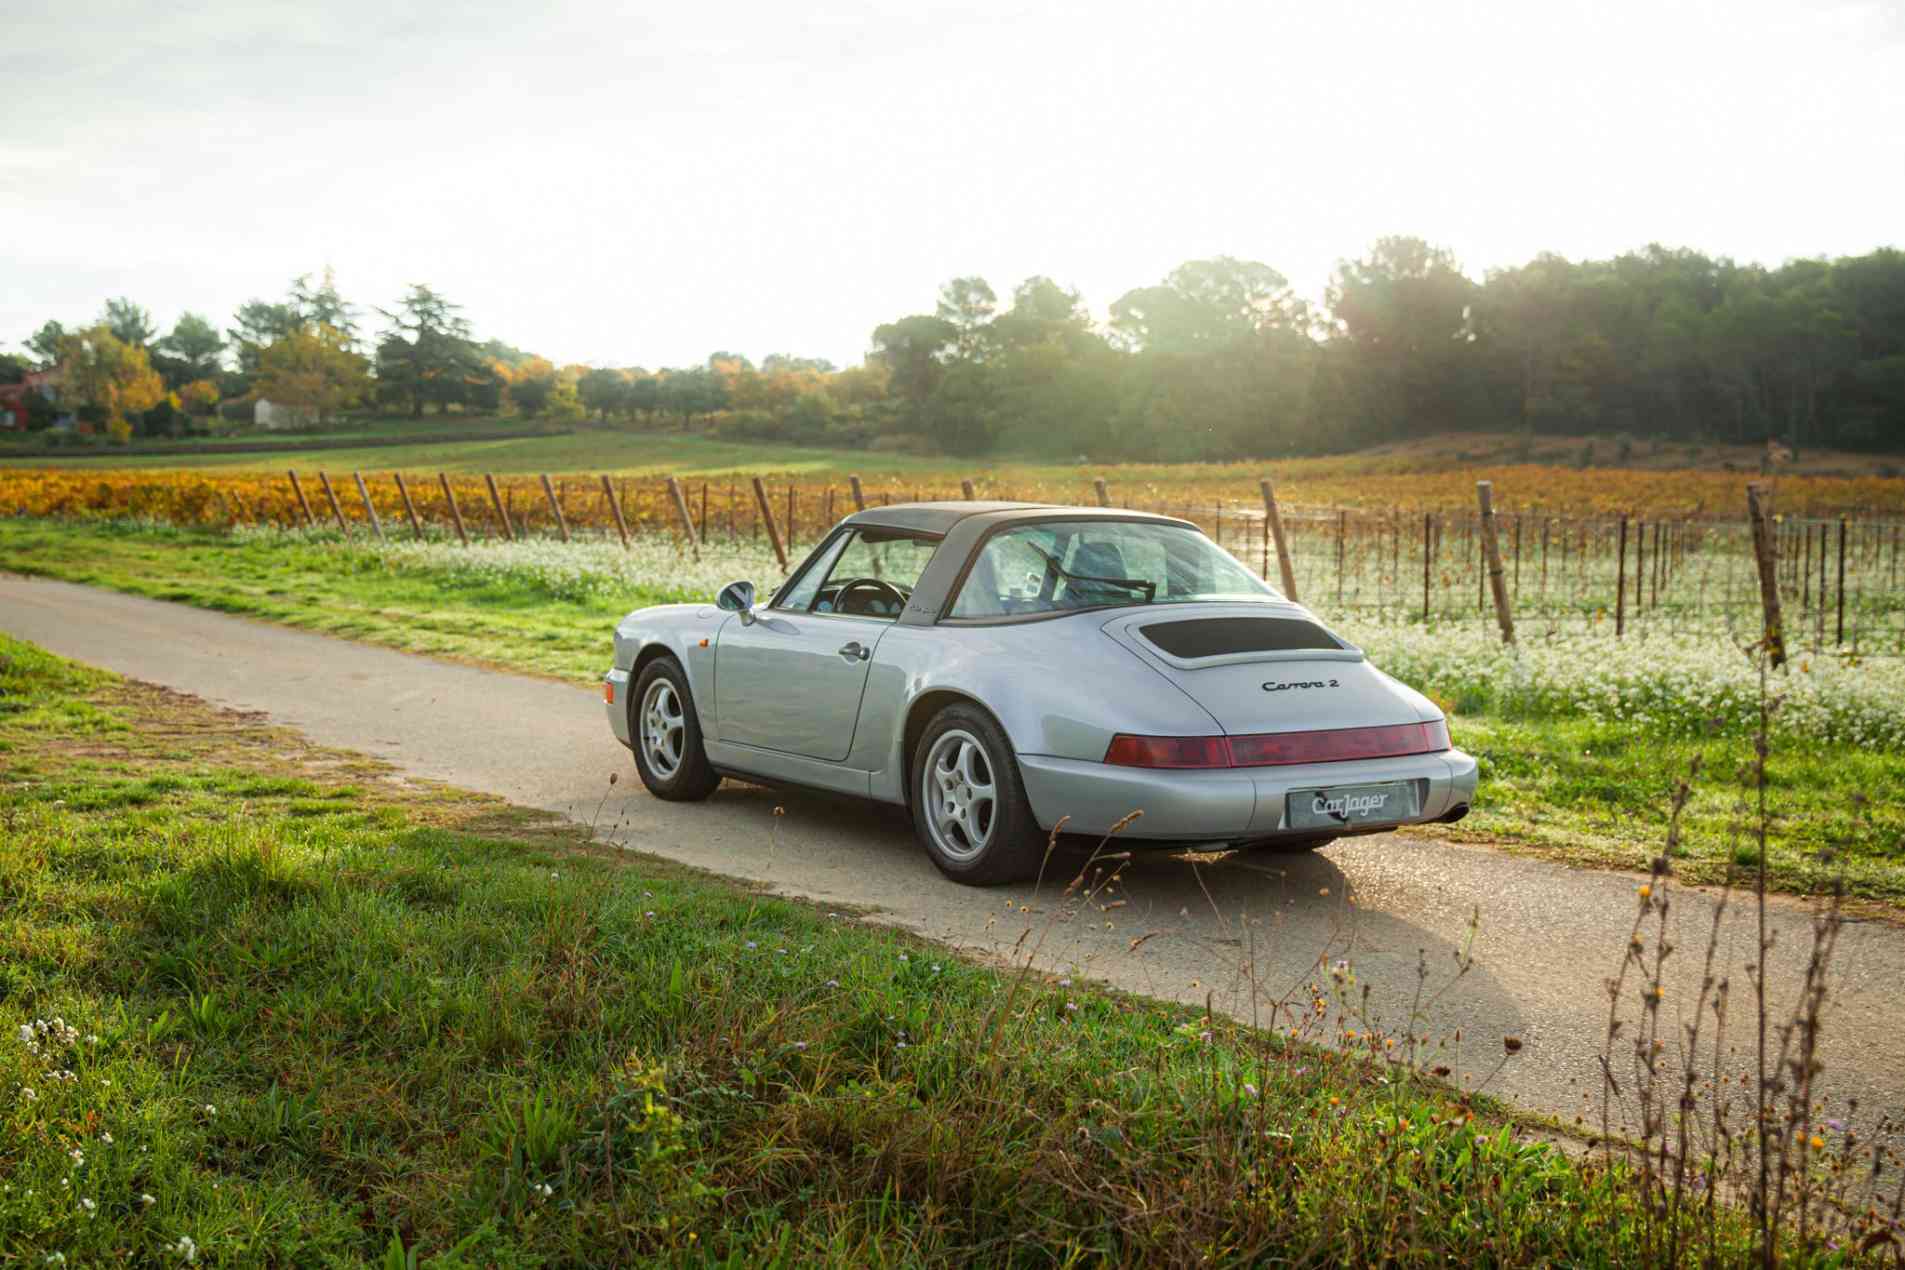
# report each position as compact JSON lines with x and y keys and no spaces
{"x":1226,"y":805}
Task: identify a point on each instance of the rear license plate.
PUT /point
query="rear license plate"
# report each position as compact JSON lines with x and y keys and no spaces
{"x":1339,"y":806}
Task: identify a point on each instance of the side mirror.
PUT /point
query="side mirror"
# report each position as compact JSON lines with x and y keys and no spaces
{"x":737,"y":597}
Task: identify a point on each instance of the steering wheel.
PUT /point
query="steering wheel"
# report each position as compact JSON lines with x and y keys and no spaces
{"x":871,"y":584}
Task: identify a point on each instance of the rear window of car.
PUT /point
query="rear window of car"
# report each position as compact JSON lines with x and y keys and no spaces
{"x":1068,"y":565}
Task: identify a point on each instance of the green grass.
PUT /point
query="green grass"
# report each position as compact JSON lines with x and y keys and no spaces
{"x":454,"y":617}
{"x":316,"y":1020}
{"x":1588,"y":794}
{"x":345,"y":429}
{"x":1599,"y":794}
{"x":591,"y":448}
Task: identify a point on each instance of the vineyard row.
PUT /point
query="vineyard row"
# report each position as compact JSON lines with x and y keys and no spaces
{"x":1840,"y":575}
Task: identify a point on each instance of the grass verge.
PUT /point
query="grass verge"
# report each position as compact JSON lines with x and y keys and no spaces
{"x":261,"y":1002}
{"x":1586,"y":793}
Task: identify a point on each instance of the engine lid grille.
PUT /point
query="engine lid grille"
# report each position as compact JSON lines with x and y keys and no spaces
{"x":1193,"y":639}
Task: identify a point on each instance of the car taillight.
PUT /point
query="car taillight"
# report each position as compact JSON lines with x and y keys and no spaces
{"x":1272,"y":749}
{"x":1338,"y":744}
{"x":1168,"y":751}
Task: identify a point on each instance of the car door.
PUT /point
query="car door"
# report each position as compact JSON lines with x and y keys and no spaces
{"x":791,"y":678}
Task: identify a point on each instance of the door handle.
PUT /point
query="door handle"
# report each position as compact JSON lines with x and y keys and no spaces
{"x":854,"y":650}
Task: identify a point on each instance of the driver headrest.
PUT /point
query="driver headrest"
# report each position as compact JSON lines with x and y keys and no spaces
{"x":1099,"y":560}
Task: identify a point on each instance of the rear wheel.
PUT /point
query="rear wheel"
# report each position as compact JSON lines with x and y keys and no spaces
{"x":667,"y":733}
{"x":969,"y":804}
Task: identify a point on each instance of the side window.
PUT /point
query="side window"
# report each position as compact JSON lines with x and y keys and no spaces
{"x":874,"y":574}
{"x":801,"y":595}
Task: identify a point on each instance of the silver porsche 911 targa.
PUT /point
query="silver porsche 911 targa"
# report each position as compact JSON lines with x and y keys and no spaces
{"x":998,"y":668}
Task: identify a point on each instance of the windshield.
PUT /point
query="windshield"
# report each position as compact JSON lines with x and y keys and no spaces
{"x":1061,"y":565}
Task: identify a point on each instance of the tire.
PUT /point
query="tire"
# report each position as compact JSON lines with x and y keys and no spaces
{"x":968,"y":801}
{"x":663,"y":725}
{"x":1288,"y":846}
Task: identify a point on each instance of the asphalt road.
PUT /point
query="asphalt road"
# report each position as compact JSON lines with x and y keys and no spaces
{"x":1239,"y":931}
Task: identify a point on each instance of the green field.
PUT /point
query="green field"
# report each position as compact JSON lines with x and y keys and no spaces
{"x":587,"y":449}
{"x":1556,"y":782}
{"x":262,"y":1004}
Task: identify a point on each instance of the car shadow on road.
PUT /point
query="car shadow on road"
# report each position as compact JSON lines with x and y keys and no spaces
{"x":1259,"y":935}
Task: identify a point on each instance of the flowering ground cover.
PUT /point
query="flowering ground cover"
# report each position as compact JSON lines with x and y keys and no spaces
{"x":1581,"y":734}
{"x":260,"y":1004}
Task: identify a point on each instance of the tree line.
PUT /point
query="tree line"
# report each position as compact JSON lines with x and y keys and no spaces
{"x":1219,"y":360}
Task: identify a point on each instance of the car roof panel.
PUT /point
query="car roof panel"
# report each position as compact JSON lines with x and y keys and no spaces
{"x":939,"y":518}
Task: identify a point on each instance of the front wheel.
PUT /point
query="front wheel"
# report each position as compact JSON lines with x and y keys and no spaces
{"x":969,"y":804}
{"x":667,"y":733}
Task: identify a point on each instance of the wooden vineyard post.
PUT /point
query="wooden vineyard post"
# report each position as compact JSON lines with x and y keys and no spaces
{"x":767,"y":517}
{"x":615,"y":508}
{"x":304,"y":504}
{"x":1491,"y":548}
{"x":1640,"y":565}
{"x":1342,"y":544}
{"x":1839,"y":638}
{"x":1428,"y":540}
{"x":370,"y":513}
{"x":793,"y":507}
{"x":496,"y":501}
{"x":1766,"y":560}
{"x":829,"y":515}
{"x":1517,"y":537}
{"x":336,"y":511}
{"x":555,"y":506}
{"x":1104,"y":499}
{"x":409,"y":508}
{"x":1663,"y":559}
{"x":1284,"y":565}
{"x":859,"y":499}
{"x":965,"y":490}
{"x":1620,"y":584}
{"x":703,"y":530}
{"x":456,"y":513}
{"x":681,"y":510}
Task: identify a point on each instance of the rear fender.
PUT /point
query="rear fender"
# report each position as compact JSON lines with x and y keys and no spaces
{"x":1054,"y":693}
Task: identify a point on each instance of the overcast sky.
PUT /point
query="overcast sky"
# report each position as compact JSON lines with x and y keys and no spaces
{"x":643,"y":184}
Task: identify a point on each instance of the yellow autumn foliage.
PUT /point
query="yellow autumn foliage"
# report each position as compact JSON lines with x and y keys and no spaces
{"x":1309,"y":489}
